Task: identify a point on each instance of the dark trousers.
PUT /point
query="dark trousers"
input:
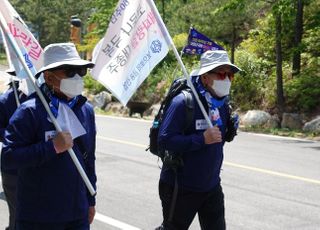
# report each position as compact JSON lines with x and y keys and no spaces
{"x":82,"y":224}
{"x":9,"y":184}
{"x":208,"y":205}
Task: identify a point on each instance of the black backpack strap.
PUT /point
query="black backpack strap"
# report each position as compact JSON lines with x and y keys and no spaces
{"x":189,"y":102}
{"x":82,"y":148}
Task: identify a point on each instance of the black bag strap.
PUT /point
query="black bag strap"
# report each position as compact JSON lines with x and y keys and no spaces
{"x":189,"y":102}
{"x":82,"y":148}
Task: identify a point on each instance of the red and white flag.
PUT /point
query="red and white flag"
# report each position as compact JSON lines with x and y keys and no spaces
{"x":132,"y":46}
{"x":29,"y":46}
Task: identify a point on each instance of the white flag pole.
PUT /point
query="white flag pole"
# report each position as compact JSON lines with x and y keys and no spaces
{"x":45,"y":104}
{"x":185,"y":73}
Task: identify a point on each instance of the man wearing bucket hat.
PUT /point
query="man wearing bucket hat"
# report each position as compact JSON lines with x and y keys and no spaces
{"x":51,"y":193}
{"x":9,"y":101}
{"x":199,"y":147}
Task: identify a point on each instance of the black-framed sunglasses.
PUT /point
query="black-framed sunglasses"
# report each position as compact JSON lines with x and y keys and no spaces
{"x":71,"y":71}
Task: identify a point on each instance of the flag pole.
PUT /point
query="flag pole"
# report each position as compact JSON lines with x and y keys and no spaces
{"x":45,"y":104}
{"x":176,"y":53}
{"x":15,"y":91}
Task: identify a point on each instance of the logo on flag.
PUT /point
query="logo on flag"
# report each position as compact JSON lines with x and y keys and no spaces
{"x":199,"y":43}
{"x":132,"y":46}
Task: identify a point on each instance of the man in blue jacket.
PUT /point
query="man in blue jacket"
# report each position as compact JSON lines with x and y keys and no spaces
{"x":9,"y":101}
{"x":198,"y":147}
{"x":51,"y":193}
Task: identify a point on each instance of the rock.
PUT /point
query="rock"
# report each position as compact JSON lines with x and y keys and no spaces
{"x":255,"y":118}
{"x":116,"y":108}
{"x":101,"y":100}
{"x":153,"y":110}
{"x":312,"y":126}
{"x":291,"y":121}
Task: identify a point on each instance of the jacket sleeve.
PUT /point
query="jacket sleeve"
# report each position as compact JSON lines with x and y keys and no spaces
{"x":21,"y":149}
{"x":90,"y":162}
{"x":3,"y":117}
{"x":171,"y":135}
{"x":3,"y":122}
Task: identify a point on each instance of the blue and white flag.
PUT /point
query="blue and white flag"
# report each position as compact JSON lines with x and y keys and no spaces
{"x":199,"y":43}
{"x":132,"y":46}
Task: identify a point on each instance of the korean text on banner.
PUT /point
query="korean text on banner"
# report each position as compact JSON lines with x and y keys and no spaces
{"x":198,"y":43}
{"x":29,"y":46}
{"x":133,"y":45}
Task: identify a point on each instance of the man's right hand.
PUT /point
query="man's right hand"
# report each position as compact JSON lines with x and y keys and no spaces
{"x":62,"y":142}
{"x":212,"y":135}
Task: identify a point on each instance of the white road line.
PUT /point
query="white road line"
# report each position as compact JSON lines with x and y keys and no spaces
{"x":122,"y":142}
{"x":113,"y":222}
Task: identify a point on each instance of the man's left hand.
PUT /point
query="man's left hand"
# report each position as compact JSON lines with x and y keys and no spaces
{"x":92,"y":212}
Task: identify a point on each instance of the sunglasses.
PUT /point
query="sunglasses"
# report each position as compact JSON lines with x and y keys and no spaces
{"x":222,"y":76}
{"x":71,"y":71}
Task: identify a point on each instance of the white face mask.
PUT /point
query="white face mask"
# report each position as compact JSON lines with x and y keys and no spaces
{"x":72,"y":87}
{"x":221,"y":87}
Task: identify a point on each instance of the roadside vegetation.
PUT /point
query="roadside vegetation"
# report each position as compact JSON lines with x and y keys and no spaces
{"x":276,"y":44}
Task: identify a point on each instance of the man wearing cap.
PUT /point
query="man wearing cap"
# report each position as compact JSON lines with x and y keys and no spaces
{"x":51,"y":193}
{"x":200,"y":148}
{"x":9,"y":101}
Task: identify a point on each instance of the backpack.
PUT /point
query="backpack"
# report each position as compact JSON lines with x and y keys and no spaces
{"x":179,"y":85}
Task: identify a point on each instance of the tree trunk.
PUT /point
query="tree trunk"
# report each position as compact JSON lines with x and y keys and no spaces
{"x":233,"y":43}
{"x":296,"y":61}
{"x":280,"y":97}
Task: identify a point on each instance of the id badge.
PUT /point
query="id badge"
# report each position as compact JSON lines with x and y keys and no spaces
{"x":49,"y":135}
{"x":201,"y":124}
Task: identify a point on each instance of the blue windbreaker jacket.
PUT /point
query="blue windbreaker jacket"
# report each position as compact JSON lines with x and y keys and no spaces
{"x":50,"y":189}
{"x":8,"y":105}
{"x":201,"y":162}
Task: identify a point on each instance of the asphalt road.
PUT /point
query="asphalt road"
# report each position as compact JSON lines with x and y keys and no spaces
{"x":269,"y":182}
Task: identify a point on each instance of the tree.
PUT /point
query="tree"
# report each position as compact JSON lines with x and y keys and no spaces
{"x":50,"y":19}
{"x":296,"y":60}
{"x":280,"y":96}
{"x":227,"y":21}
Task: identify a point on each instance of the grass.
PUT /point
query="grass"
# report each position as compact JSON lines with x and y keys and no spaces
{"x":282,"y":132}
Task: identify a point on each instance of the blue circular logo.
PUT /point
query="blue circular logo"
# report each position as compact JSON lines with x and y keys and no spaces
{"x":156,"y":46}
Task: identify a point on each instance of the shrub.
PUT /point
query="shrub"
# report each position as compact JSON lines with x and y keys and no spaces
{"x":303,"y":92}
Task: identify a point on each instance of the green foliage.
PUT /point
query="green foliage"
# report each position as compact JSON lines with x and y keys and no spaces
{"x":3,"y":59}
{"x":50,"y":19}
{"x":93,"y":86}
{"x":281,"y":132}
{"x":102,"y":12}
{"x":247,"y":25}
{"x":303,"y":92}
{"x":253,"y":88}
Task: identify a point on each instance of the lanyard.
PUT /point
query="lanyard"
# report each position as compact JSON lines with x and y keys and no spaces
{"x":213,"y":103}
{"x":54,"y":101}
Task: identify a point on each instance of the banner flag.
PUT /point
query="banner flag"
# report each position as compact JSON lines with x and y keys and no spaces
{"x":26,"y":48}
{"x":199,"y":43}
{"x":132,"y":46}
{"x":29,"y":46}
